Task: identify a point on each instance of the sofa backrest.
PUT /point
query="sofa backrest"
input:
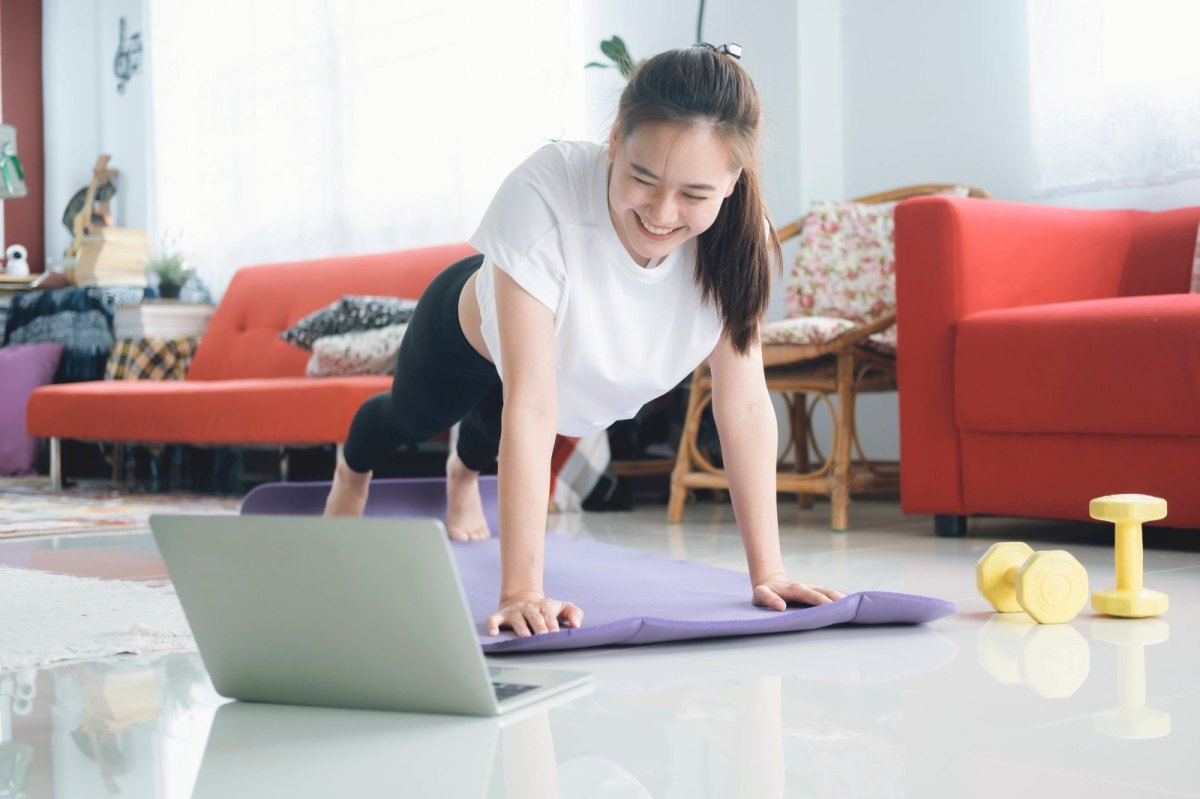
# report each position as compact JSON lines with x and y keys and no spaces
{"x":1162,"y":249}
{"x":242,"y":339}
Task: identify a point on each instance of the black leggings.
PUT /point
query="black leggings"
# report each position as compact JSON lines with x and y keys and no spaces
{"x":440,"y":380}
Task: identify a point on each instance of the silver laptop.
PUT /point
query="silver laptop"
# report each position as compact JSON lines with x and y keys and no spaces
{"x":338,"y":612}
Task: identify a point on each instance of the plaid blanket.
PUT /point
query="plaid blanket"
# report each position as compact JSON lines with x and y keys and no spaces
{"x":577,"y":467}
{"x":151,"y":359}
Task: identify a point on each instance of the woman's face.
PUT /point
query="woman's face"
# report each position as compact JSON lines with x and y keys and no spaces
{"x":666,"y":186}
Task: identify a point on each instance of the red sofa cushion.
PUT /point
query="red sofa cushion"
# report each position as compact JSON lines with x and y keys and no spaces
{"x":280,"y":410}
{"x":1122,"y":366}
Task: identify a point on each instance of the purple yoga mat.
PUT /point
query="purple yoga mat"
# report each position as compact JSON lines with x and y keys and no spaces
{"x":423,"y":497}
{"x":631,"y":597}
{"x":628,"y":597}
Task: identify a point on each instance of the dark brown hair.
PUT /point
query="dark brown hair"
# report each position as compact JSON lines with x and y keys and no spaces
{"x":701,"y":86}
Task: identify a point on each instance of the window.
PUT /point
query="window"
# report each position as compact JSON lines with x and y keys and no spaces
{"x":1113,"y":86}
{"x":285,"y":129}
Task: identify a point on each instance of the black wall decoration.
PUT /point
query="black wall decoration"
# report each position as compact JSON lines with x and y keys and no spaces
{"x":128,"y":61}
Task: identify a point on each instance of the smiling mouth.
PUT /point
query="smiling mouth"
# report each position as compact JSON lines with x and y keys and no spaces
{"x":656,"y":233}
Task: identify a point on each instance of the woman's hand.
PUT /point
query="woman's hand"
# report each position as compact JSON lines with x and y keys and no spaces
{"x":775,"y":590}
{"x":531,"y":613}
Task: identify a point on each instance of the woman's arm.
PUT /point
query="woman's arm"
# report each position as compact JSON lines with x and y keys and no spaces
{"x":527,"y":430}
{"x":749,"y":436}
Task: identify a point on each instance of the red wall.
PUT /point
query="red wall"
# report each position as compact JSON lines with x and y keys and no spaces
{"x":21,"y":105}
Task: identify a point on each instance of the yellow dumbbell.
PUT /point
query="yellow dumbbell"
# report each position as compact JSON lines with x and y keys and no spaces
{"x":1127,"y":511}
{"x":1050,"y":586}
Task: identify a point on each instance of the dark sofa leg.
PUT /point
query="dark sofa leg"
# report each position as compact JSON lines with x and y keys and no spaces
{"x":950,"y":526}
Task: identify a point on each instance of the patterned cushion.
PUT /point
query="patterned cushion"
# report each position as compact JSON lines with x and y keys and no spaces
{"x":1196,"y":265}
{"x":364,"y":352}
{"x":845,"y":264}
{"x":883,"y":341}
{"x":822,"y":330}
{"x":348,"y":315}
{"x":23,"y":368}
{"x":805,"y":330}
{"x":845,"y":268}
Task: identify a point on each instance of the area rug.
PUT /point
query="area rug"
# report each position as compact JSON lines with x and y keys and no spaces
{"x":48,"y":618}
{"x":29,"y":507}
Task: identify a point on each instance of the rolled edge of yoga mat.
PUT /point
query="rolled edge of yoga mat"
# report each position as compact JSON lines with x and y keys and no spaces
{"x":865,"y":608}
{"x":422,"y":497}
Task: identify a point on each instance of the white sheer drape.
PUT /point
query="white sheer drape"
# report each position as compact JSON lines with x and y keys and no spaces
{"x":287,"y":129}
{"x":1115,"y":90}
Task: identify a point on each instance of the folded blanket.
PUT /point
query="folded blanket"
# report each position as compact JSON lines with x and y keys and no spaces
{"x":78,"y":318}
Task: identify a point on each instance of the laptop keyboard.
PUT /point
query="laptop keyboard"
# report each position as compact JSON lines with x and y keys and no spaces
{"x":507,"y":690}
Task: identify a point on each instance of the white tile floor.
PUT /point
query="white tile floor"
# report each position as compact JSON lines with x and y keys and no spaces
{"x":974,"y":705}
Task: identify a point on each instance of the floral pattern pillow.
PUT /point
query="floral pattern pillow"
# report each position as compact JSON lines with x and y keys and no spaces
{"x":1196,"y":265}
{"x":347,"y":315}
{"x":814,"y":330}
{"x":846,"y":262}
{"x":805,"y":330}
{"x":845,"y":267}
{"x":364,"y":352}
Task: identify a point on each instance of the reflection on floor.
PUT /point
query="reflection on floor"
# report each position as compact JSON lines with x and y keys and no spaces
{"x":977,"y":704}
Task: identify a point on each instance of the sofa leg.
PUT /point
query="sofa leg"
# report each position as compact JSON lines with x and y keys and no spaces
{"x":283,"y":464}
{"x":950,"y":526}
{"x":56,"y":481}
{"x":118,"y":469}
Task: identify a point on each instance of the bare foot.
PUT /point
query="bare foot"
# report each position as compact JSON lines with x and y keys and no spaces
{"x":464,"y":507}
{"x":348,"y":496}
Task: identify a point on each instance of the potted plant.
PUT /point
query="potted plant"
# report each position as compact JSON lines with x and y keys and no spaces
{"x":172,"y":269}
{"x":618,"y":54}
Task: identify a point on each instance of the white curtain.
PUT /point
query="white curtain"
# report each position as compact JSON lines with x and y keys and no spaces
{"x":1115,"y":90}
{"x":290,"y":129}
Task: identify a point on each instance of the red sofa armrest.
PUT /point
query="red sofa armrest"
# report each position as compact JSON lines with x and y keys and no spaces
{"x":979,"y":255}
{"x":958,"y":256}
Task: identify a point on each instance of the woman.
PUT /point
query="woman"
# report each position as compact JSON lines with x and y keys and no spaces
{"x":607,"y":274}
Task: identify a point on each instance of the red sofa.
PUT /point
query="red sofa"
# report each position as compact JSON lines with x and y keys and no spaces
{"x":245,"y":386}
{"x":1048,"y":356}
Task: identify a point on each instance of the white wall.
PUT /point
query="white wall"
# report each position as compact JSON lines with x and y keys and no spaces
{"x":84,"y":114}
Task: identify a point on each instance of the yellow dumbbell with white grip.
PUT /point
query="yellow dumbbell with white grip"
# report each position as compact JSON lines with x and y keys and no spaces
{"x":1129,"y":598}
{"x":1050,"y":586}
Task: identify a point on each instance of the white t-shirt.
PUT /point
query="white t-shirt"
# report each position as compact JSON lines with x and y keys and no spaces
{"x":623,"y":334}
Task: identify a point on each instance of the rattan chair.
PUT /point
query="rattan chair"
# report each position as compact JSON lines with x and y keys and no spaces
{"x":856,"y":356}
